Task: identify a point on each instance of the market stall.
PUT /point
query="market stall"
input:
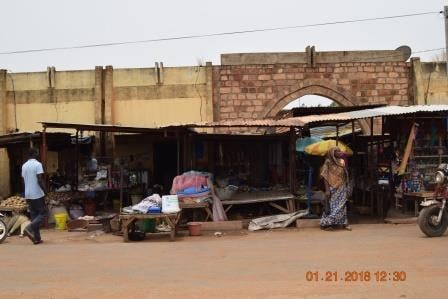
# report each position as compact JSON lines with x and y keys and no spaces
{"x":394,"y":138}
{"x":250,"y":172}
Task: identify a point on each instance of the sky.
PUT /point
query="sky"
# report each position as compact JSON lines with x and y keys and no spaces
{"x":54,"y":23}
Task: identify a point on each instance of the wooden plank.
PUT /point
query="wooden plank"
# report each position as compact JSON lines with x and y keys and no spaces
{"x":254,"y":200}
{"x":279,"y":207}
{"x":193,"y":205}
{"x":222,"y":225}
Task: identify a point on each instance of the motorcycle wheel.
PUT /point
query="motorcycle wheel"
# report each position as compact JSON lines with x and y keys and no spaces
{"x":3,"y":231}
{"x":426,"y":220}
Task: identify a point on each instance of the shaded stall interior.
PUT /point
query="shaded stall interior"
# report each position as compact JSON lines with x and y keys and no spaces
{"x":60,"y":151}
{"x":258,"y":164}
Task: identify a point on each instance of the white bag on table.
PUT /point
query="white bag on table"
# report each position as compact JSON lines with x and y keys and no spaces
{"x":170,"y":204}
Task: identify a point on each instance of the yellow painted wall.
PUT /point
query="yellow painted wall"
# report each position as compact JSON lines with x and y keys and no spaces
{"x":4,"y":173}
{"x":75,"y":79}
{"x":135,"y":97}
{"x":430,"y":83}
{"x":29,"y":116}
{"x":27,"y":81}
{"x":158,"y":112}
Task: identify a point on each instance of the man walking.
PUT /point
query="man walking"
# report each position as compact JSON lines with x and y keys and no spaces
{"x":33,"y":177}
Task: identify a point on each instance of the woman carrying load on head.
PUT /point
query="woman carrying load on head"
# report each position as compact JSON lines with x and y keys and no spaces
{"x":335,"y":175}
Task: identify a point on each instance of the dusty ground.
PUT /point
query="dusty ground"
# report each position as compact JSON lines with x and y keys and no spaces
{"x":267,"y":264}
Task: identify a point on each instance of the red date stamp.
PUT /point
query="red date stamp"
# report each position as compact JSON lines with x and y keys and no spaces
{"x":356,"y":276}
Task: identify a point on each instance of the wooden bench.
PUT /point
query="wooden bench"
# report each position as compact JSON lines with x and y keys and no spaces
{"x":416,"y":197}
{"x":269,"y":197}
{"x":202,"y":205}
{"x":128,"y":222}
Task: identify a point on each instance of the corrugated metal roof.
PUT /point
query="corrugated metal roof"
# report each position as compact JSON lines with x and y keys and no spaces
{"x":375,"y":112}
{"x":330,"y":131}
{"x":23,"y":137}
{"x":287,"y":122}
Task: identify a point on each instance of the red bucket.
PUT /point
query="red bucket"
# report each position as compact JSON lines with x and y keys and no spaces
{"x":90,"y":207}
{"x":194,"y":228}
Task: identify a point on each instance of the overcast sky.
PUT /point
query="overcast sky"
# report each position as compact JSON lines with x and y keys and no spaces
{"x":54,"y":23}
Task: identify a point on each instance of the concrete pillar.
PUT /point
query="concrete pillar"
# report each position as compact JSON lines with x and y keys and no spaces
{"x":209,"y":95}
{"x":100,"y":146}
{"x":108,"y":112}
{"x":417,"y":91}
{"x":3,"y":102}
{"x":109,"y":95}
{"x":98,"y":95}
{"x":4,"y":160}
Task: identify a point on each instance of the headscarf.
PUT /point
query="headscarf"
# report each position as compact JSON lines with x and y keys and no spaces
{"x":334,"y":170}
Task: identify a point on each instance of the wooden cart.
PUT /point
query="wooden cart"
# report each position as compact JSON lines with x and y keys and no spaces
{"x":128,"y":222}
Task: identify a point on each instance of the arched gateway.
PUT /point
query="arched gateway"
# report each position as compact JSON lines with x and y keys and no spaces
{"x":254,"y":86}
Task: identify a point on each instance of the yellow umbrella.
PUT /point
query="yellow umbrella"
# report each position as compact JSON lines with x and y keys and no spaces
{"x":321,"y":148}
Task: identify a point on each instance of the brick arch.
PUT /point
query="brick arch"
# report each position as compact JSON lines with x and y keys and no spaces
{"x":314,"y":87}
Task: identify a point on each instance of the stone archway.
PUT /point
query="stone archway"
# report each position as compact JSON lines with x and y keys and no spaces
{"x":314,"y":87}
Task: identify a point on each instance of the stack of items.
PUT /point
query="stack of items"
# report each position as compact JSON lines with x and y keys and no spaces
{"x":96,"y":182}
{"x":14,"y":203}
{"x":57,"y":198}
{"x":151,"y":204}
{"x":192,"y":187}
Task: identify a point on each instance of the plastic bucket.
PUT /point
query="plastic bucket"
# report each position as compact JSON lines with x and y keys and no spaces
{"x":61,"y":221}
{"x":194,"y":228}
{"x":89,"y":207}
{"x":147,"y":225}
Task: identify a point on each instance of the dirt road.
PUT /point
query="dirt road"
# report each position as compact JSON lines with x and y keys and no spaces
{"x":267,"y":264}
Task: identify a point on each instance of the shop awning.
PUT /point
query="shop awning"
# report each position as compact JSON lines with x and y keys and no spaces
{"x":310,"y":120}
{"x":26,"y":137}
{"x":374,"y":112}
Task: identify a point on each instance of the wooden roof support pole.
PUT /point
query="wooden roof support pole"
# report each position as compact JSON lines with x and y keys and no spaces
{"x":178,"y":151}
{"x":353,"y":138}
{"x":337,"y":134}
{"x":292,"y":159}
{"x":44,"y":154}
{"x":76,"y":159}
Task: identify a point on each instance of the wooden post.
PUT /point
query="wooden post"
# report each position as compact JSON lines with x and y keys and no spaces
{"x":178,"y":152}
{"x":353,"y":138}
{"x":44,"y":148}
{"x":121,"y":186}
{"x":76,"y":159}
{"x":44,"y":156}
{"x":292,"y":159}
{"x":337,"y":134}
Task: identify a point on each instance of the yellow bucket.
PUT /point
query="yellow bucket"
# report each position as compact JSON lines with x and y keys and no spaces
{"x":61,"y":221}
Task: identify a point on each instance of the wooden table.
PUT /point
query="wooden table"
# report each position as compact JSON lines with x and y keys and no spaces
{"x":201,"y":205}
{"x":269,"y":197}
{"x":128,"y":222}
{"x":416,"y":197}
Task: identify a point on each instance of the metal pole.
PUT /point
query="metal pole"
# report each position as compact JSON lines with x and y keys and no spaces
{"x":445,"y":15}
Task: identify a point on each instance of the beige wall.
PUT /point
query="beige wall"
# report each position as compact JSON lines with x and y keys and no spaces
{"x":138,"y":97}
{"x":178,"y":95}
{"x":430,"y":82}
